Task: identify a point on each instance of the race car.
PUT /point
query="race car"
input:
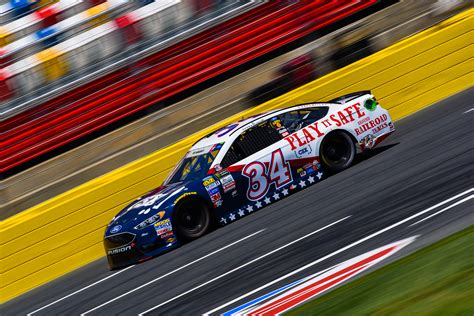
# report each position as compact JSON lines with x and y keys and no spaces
{"x":244,"y":167}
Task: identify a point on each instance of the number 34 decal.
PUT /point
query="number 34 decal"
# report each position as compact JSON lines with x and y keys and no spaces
{"x":260,"y":178}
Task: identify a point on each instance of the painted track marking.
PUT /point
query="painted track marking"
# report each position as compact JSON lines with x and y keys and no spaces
{"x":243,"y":265}
{"x":337,"y":252}
{"x":470,"y":110}
{"x":324,"y":282}
{"x":444,"y":209}
{"x":171,"y":272}
{"x":79,"y":291}
{"x":154,"y":280}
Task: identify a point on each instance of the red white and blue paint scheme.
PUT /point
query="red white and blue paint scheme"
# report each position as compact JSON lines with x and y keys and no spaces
{"x":298,"y":292}
{"x":243,"y":167}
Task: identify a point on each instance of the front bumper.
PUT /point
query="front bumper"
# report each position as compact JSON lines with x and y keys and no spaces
{"x":129,"y":248}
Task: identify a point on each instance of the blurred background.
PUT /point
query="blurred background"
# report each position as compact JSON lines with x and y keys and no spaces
{"x":88,"y":86}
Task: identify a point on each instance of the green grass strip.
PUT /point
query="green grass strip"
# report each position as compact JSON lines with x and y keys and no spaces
{"x":436,"y":280}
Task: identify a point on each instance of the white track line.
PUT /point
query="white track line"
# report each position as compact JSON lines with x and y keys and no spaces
{"x":444,"y":209}
{"x":468,"y":111}
{"x":174,"y":271}
{"x":243,"y":265}
{"x":123,"y":270}
{"x":79,"y":291}
{"x":337,"y":252}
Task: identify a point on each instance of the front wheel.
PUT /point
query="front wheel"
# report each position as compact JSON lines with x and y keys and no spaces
{"x":337,"y":152}
{"x":191,"y":219}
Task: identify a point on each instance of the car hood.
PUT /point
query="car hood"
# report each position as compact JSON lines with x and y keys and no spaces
{"x":151,"y":203}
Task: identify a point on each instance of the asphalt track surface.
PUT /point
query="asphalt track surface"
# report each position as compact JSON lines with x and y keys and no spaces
{"x":381,"y":199}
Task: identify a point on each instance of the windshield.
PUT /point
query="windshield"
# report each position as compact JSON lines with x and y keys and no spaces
{"x":195,"y":164}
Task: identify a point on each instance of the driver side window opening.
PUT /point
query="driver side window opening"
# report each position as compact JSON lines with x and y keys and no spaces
{"x":250,"y":142}
{"x":297,"y":119}
{"x":271,"y":131}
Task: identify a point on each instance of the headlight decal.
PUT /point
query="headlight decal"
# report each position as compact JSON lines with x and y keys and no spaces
{"x":150,"y":220}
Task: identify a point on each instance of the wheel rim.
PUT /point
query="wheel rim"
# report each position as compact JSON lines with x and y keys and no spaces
{"x":191,"y":220}
{"x":337,"y":150}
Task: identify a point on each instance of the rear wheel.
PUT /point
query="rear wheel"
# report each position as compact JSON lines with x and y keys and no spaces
{"x":191,"y":219}
{"x":337,"y":152}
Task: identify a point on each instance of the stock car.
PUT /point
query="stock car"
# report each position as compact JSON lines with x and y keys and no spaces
{"x":243,"y":167}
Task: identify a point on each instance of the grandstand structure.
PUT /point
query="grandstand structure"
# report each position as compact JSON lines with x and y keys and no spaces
{"x":71,"y":68}
{"x":75,"y":74}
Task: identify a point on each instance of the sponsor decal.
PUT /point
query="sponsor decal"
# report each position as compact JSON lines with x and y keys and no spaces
{"x":287,"y":297}
{"x":171,"y":240}
{"x":209,"y":182}
{"x":119,"y":250}
{"x":304,"y":151}
{"x":213,"y":191}
{"x":375,"y":125}
{"x":166,"y":235}
{"x":184,"y":195}
{"x":310,"y":168}
{"x":226,"y":180}
{"x":390,"y":124}
{"x":216,"y":199}
{"x":115,"y":229}
{"x":365,"y":120}
{"x":312,"y":132}
{"x":301,"y":172}
{"x":368,"y":141}
{"x":163,"y":227}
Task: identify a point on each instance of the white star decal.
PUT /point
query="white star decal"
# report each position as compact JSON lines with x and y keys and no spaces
{"x":311,"y":180}
{"x":267,"y":200}
{"x":302,"y":184}
{"x":285,"y":192}
{"x":276,"y":196}
{"x":223,"y":220}
{"x":250,"y":208}
{"x":232,"y":216}
{"x":241,"y":212}
{"x":319,"y":175}
{"x":258,"y":204}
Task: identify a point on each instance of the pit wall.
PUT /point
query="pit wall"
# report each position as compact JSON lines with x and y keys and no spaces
{"x":65,"y":232}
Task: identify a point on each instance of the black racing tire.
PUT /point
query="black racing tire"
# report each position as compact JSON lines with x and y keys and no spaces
{"x":191,"y":219}
{"x":337,"y":152}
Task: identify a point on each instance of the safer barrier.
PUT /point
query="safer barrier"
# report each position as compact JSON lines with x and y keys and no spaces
{"x":178,"y":73}
{"x":65,"y":232}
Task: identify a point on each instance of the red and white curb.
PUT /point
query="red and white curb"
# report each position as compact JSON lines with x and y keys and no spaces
{"x":298,"y":292}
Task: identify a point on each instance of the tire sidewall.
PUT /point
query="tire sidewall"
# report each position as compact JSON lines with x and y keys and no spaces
{"x":327,"y":164}
{"x":182,"y":233}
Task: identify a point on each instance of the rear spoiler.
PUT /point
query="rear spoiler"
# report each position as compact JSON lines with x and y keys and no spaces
{"x":348,"y":97}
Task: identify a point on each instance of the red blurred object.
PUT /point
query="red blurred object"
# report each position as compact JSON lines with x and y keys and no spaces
{"x":129,"y":29}
{"x":5,"y":90}
{"x":203,"y":56}
{"x":48,"y":15}
{"x":96,"y":2}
